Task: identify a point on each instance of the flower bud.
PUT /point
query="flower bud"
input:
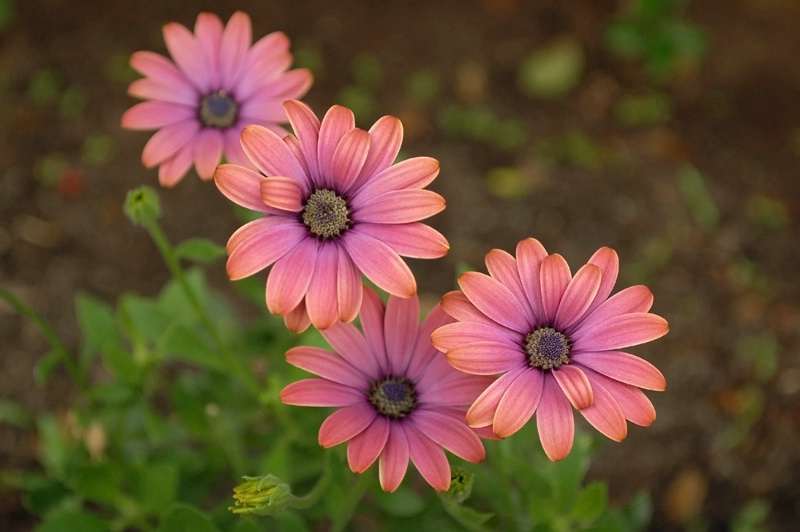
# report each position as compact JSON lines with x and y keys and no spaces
{"x":263,"y":495}
{"x":142,"y":206}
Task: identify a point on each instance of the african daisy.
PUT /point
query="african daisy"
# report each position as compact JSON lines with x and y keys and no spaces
{"x":217,"y":84}
{"x":397,"y":397}
{"x":334,"y":207}
{"x":554,"y":340}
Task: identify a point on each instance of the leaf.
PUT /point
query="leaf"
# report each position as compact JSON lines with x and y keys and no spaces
{"x":73,"y":521}
{"x":101,"y":334}
{"x":183,"y":343}
{"x":185,"y":518}
{"x":155,"y":486}
{"x":199,"y":250}
{"x":590,"y":503}
{"x":97,"y":482}
{"x":554,"y":70}
{"x":14,"y":414}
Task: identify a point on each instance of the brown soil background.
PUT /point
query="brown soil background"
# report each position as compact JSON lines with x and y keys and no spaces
{"x":721,"y":287}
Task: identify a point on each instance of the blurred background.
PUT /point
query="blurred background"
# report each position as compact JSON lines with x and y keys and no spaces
{"x":666,"y":129}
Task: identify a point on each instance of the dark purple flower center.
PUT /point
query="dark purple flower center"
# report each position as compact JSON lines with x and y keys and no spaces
{"x":547,"y":348}
{"x":218,"y":110}
{"x":393,"y":397}
{"x":326,"y":214}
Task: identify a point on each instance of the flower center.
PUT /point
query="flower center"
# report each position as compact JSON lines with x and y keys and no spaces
{"x":326,"y":214}
{"x":218,"y":110}
{"x":394,"y":397}
{"x":547,"y":348}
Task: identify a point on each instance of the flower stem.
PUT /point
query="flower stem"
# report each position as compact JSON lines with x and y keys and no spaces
{"x":50,"y":335}
{"x":343,"y":517}
{"x":173,"y":263}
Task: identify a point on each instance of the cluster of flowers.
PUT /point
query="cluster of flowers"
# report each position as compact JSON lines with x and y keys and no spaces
{"x":528,"y":337}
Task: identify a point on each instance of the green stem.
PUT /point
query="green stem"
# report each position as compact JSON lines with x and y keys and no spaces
{"x":50,"y":335}
{"x":312,"y":497}
{"x":343,"y":517}
{"x":175,"y":268}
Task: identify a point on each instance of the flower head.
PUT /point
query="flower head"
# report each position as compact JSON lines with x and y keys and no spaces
{"x":217,"y":84}
{"x":555,"y":341}
{"x":334,"y":207}
{"x":397,"y":397}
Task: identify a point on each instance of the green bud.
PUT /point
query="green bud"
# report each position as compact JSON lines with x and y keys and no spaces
{"x":264,"y":495}
{"x":142,"y":206}
{"x":460,"y":486}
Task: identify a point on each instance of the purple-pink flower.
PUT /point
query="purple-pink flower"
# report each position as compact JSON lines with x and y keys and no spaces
{"x":217,"y":84}
{"x":555,"y":341}
{"x":397,"y":397}
{"x":334,"y":207}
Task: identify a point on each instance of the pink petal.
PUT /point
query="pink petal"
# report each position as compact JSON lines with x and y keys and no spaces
{"x":297,"y":319}
{"x":167,"y":141}
{"x":415,"y":239}
{"x":260,"y":72}
{"x":161,"y":70}
{"x":398,"y":207}
{"x":322,"y":298}
{"x":387,"y":136}
{"x":349,"y":157}
{"x":149,"y":89}
{"x":483,"y":410}
{"x":554,"y":277}
{"x":207,"y":152}
{"x":259,"y":243}
{"x":348,"y":342}
{"x":381,"y":264}
{"x":635,"y":405}
{"x":319,"y":392}
{"x":428,"y":458}
{"x":455,"y":334}
{"x":240,"y":185}
{"x":394,"y":458}
{"x":236,"y":40}
{"x":336,"y":122}
{"x":306,"y":127}
{"x":485,"y":357}
{"x":292,"y":84}
{"x":623,"y":367}
{"x":426,"y":356}
{"x":441,"y":385}
{"x":290,"y":277}
{"x":372,"y":311}
{"x":503,"y":267}
{"x":456,"y":305}
{"x":530,"y":254}
{"x":233,"y":148}
{"x":188,"y":54}
{"x":327,"y":365}
{"x":345,"y":424}
{"x":554,"y":421}
{"x":283,"y":193}
{"x":208,"y":31}
{"x":494,"y":300}
{"x":415,"y":173}
{"x":619,"y":332}
{"x":575,"y":385}
{"x":632,"y":299}
{"x":401,"y":323}
{"x":155,"y":115}
{"x":605,"y":414}
{"x":349,"y":287}
{"x":270,"y":154}
{"x":262,"y":108}
{"x":578,"y":296}
{"x":365,"y":448}
{"x":607,"y":260}
{"x":451,"y":433}
{"x":518,"y":403}
{"x":175,"y":167}
{"x":275,"y":44}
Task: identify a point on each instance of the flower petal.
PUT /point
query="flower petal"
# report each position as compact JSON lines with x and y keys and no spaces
{"x":182,"y":94}
{"x":459,"y":333}
{"x":380,"y":263}
{"x":400,"y":327}
{"x":349,"y":287}
{"x":605,"y":414}
{"x":320,"y":392}
{"x":306,"y":127}
{"x":554,"y":421}
{"x":428,"y":458}
{"x":167,"y":141}
{"x":451,"y":433}
{"x":208,"y":32}
{"x":554,"y":277}
{"x":345,"y":424}
{"x":240,"y":185}
{"x":414,"y":173}
{"x":397,"y":207}
{"x":575,"y":385}
{"x":297,"y":319}
{"x":259,"y":243}
{"x":485,"y":357}
{"x":394,"y":458}
{"x":607,"y":260}
{"x":290,"y":277}
{"x":484,"y":408}
{"x":156,"y":114}
{"x":348,"y":159}
{"x":494,"y":300}
{"x":236,"y":40}
{"x":414,"y":239}
{"x":619,"y":332}
{"x":503,"y":267}
{"x":366,"y":447}
{"x":161,"y":70}
{"x":578,"y":296}
{"x":632,"y":299}
{"x":456,"y":304}
{"x":187,"y":53}
{"x":207,"y":152}
{"x":336,"y":122}
{"x":372,"y":312}
{"x":518,"y":403}
{"x":270,"y":153}
{"x":175,"y":167}
{"x":387,"y":136}
{"x":351,"y":345}
{"x":322,"y":296}
{"x":283,"y":193}
{"x":327,"y":365}
{"x":623,"y":367}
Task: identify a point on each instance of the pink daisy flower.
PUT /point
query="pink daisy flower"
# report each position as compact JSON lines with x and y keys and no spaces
{"x":334,"y":207}
{"x":218,"y":84}
{"x":555,"y":341}
{"x":397,"y":397}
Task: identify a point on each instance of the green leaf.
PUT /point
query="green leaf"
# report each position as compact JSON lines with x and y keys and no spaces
{"x":185,"y":518}
{"x":553,"y":70}
{"x":14,"y":414}
{"x":46,"y":366}
{"x":590,"y":503}
{"x":97,"y":482}
{"x":101,"y":334}
{"x":184,"y":343}
{"x":142,"y":317}
{"x":199,"y":250}
{"x":43,"y":497}
{"x":697,"y":195}
{"x":73,"y":521}
{"x":155,"y":486}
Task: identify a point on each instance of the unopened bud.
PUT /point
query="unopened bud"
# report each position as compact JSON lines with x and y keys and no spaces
{"x":142,"y":206}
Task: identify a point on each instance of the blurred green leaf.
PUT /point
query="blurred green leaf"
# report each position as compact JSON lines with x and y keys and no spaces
{"x":155,"y":486}
{"x":44,"y":88}
{"x":423,"y":86}
{"x":552,"y":70}
{"x":73,"y":101}
{"x":404,"y":502}
{"x":97,"y":150}
{"x":694,"y":190}
{"x":199,"y":250}
{"x":14,"y":414}
{"x":46,"y":366}
{"x":751,"y":517}
{"x":186,"y":518}
{"x":367,"y":70}
{"x":643,"y":110}
{"x":766,"y":211}
{"x":590,"y":503}
{"x":73,"y":521}
{"x":97,"y":482}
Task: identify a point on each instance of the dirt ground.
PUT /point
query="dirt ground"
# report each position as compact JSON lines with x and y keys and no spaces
{"x":703,"y":206}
